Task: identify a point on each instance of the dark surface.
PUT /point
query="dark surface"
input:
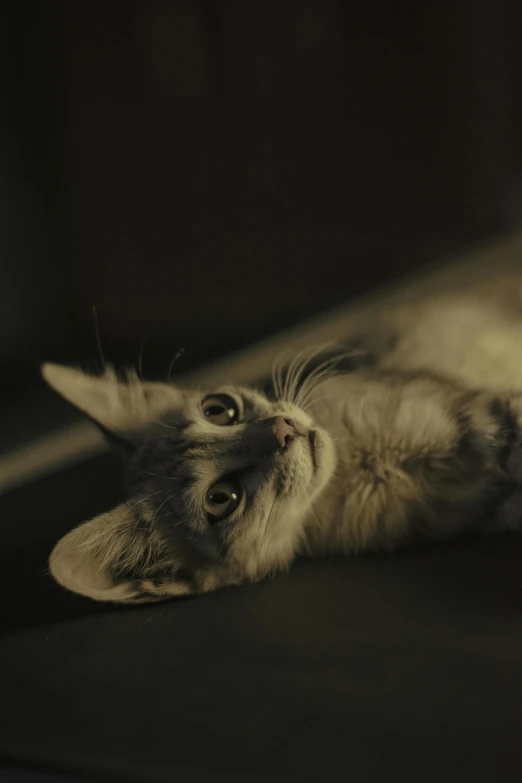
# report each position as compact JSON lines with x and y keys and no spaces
{"x":379,"y":668}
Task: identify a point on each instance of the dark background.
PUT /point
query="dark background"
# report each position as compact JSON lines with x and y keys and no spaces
{"x":205,"y":173}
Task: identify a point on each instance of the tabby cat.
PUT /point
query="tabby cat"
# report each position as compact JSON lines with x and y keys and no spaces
{"x":228,"y":485}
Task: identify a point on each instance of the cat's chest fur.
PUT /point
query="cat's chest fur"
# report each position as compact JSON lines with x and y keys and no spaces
{"x":397,"y":442}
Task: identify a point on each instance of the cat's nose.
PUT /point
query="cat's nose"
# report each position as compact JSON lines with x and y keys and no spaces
{"x":284,"y":430}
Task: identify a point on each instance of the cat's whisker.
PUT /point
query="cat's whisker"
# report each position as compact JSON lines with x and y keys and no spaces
{"x":281,"y":375}
{"x":315,"y":379}
{"x":98,"y":339}
{"x":311,"y":403}
{"x":276,"y":384}
{"x":156,"y":475}
{"x":301,"y":360}
{"x":160,"y":507}
{"x":297,"y":368}
{"x":277,"y":374}
{"x":307,"y":545}
{"x":328,"y":365}
{"x":146,"y":336}
{"x":173,"y":362}
{"x":313,"y":513}
{"x":299,"y":394}
{"x":323,"y":370}
{"x":265,"y":530}
{"x":283,"y":386}
{"x":276,"y":371}
{"x":139,"y":367}
{"x":163,"y":424}
{"x":289,"y":376}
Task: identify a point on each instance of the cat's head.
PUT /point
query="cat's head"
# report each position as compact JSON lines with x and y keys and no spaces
{"x":217,"y":486}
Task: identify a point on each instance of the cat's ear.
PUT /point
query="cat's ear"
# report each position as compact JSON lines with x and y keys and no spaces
{"x":118,"y":556}
{"x":118,"y":405}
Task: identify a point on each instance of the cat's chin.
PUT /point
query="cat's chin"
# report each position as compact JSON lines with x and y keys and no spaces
{"x":319,"y":449}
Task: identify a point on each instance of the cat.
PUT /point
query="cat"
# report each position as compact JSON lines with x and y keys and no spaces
{"x":417,"y":437}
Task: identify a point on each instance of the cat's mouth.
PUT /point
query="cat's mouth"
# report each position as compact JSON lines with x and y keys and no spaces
{"x":312,"y":440}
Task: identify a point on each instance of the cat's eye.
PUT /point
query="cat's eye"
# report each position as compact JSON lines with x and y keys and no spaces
{"x":220,"y":409}
{"x":222,"y":499}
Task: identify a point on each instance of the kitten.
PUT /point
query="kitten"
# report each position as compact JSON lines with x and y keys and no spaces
{"x":228,"y":485}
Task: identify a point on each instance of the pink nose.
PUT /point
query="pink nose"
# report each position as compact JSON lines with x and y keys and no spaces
{"x":284,"y":431}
